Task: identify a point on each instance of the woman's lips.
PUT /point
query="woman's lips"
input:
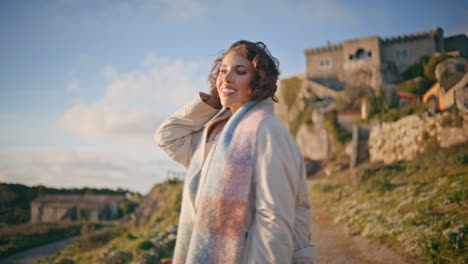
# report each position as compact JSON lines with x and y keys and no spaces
{"x":227,"y":91}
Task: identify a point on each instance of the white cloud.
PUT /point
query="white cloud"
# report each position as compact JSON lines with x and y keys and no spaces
{"x":81,"y":167}
{"x":135,"y":102}
{"x":112,"y":123}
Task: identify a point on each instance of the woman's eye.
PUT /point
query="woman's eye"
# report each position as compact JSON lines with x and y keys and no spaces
{"x":223,"y":71}
{"x":241,"y":72}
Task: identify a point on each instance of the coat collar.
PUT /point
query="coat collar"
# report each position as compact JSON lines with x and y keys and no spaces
{"x":268,"y":104}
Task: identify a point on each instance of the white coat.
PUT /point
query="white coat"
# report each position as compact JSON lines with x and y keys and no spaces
{"x":279,"y":219}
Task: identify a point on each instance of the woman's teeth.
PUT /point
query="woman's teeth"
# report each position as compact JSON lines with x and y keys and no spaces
{"x":226,"y":90}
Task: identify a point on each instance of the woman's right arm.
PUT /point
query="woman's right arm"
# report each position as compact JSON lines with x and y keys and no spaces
{"x":181,"y":133}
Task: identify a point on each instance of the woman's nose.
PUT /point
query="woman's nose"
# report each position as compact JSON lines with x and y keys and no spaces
{"x":228,"y":76}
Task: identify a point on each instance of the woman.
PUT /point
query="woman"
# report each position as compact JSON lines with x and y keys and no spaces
{"x":245,"y":198}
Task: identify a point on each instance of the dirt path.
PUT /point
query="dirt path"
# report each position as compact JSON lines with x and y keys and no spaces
{"x":35,"y":254}
{"x":335,"y":246}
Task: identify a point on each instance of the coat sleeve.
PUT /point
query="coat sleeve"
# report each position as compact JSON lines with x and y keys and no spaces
{"x":280,"y":227}
{"x":180,"y":135}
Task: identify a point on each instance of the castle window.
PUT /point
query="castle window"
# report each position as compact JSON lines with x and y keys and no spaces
{"x":325,"y":62}
{"x":360,"y":54}
{"x":400,"y":54}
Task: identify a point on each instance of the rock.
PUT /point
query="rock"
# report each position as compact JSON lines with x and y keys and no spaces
{"x":153,"y":251}
{"x":172,"y":229}
{"x":451,"y":67}
{"x":156,"y":239}
{"x":452,"y":136}
{"x":313,"y":140}
{"x":171,"y":237}
{"x":166,"y":260}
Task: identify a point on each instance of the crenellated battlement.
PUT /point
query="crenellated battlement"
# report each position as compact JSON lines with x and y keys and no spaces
{"x":324,"y":49}
{"x":411,"y":37}
{"x":376,"y":60}
{"x":386,"y":41}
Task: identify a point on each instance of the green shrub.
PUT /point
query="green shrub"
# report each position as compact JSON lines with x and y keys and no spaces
{"x":375,"y":106}
{"x":146,"y":245}
{"x":290,"y":90}
{"x":325,"y":187}
{"x":453,"y":119}
{"x":91,"y":240}
{"x":395,"y":114}
{"x":131,"y":237}
{"x":127,"y":206}
{"x":121,"y":257}
{"x":459,"y":158}
{"x":66,"y":261}
{"x":340,"y":135}
{"x":418,"y":86}
{"x":429,"y":69}
{"x":416,"y":69}
{"x":304,"y":117}
{"x":350,"y":98}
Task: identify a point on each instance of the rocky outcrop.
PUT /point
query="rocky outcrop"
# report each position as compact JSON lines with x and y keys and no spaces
{"x":410,"y":136}
{"x":313,"y":140}
{"x":451,"y":67}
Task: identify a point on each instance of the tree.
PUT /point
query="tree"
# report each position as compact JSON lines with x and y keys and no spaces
{"x":429,"y":69}
{"x":349,"y":99}
{"x":290,"y":89}
{"x":417,"y":86}
{"x":416,"y":69}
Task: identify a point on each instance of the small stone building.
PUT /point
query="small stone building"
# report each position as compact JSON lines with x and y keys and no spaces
{"x":89,"y":207}
{"x":408,"y":99}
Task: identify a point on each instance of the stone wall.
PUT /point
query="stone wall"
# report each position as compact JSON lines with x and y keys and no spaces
{"x":409,"y":136}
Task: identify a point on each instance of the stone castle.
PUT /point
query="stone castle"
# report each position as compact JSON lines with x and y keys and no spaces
{"x":369,"y":62}
{"x":375,"y":62}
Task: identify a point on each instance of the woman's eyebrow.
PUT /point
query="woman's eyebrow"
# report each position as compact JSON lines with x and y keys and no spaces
{"x":236,"y":66}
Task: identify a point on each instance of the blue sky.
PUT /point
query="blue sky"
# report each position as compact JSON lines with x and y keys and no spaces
{"x":84,"y":84}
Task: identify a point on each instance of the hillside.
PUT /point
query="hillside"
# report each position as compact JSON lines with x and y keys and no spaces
{"x":417,"y":207}
{"x":146,"y":235}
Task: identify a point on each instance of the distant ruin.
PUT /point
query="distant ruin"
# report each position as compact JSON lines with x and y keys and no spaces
{"x":88,"y":207}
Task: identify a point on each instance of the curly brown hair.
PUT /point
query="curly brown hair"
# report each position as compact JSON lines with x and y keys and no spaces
{"x":266,"y":69}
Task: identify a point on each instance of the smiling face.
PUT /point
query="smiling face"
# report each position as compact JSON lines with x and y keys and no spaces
{"x":233,"y":81}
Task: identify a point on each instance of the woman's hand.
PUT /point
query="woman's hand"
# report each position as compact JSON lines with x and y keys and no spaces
{"x":211,"y":100}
